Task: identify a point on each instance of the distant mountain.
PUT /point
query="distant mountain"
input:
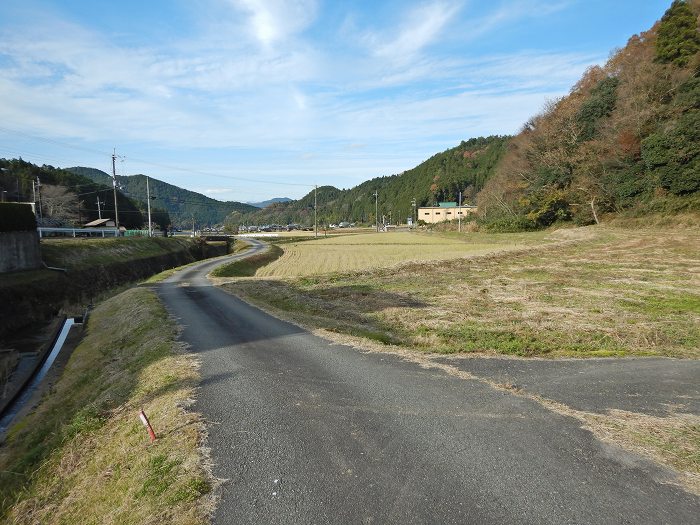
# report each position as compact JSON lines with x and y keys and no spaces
{"x":464,"y":168}
{"x":18,"y":175}
{"x":265,"y":204}
{"x":182,"y":205}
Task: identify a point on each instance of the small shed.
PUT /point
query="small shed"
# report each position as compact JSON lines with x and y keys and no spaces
{"x":100,"y":223}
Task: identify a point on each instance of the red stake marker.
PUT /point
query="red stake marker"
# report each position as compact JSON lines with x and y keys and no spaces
{"x":147,"y":424}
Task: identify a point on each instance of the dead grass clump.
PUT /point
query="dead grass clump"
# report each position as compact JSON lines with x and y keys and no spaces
{"x":670,"y":440}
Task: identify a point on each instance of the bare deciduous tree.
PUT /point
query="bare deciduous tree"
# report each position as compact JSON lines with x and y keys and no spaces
{"x":59,"y":203}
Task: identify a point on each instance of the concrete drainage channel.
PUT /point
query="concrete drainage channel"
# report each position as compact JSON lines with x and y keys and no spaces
{"x":25,"y":394}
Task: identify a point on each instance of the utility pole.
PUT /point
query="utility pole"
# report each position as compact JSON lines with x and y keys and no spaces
{"x":99,"y":210}
{"x":148,"y":200}
{"x":192,"y":225}
{"x":413,"y":211}
{"x":38,"y":188}
{"x":459,"y":212}
{"x":114,"y":184}
{"x":376,"y":209}
{"x":315,"y":212}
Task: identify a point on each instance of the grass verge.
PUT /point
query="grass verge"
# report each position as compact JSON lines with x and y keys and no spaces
{"x":162,"y":276}
{"x":248,"y":266}
{"x":672,"y":441}
{"x":597,"y":292}
{"x":241,"y":245}
{"x":83,"y":456}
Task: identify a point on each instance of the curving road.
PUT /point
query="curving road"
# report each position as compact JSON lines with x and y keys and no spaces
{"x":306,"y":431}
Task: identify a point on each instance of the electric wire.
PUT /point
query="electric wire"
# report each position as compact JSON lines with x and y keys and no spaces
{"x":150,"y":163}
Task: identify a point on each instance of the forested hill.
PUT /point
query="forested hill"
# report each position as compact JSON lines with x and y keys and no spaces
{"x":181,"y":204}
{"x":68,"y":198}
{"x":627,"y":137}
{"x":265,"y":204}
{"x":464,"y":168}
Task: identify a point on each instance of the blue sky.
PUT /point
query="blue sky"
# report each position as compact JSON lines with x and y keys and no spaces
{"x":251,"y":99}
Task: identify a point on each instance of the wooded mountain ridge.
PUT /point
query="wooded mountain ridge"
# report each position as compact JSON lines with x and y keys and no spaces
{"x":265,"y":204}
{"x":464,"y":168}
{"x":626,"y":137}
{"x":182,"y":205}
{"x":66,"y":198}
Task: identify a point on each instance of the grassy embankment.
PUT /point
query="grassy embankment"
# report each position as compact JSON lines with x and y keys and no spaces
{"x":603,"y":292}
{"x":87,"y":253}
{"x":83,"y":455}
{"x":93,"y":266}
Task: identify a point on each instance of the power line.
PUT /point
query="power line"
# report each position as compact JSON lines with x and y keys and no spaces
{"x":232,"y":177}
{"x":150,"y":163}
{"x":52,"y":141}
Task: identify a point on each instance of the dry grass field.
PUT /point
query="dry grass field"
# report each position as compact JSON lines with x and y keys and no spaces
{"x":593,"y":291}
{"x":361,"y":251}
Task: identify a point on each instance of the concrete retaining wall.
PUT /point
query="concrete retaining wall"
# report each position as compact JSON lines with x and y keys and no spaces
{"x":19,"y":251}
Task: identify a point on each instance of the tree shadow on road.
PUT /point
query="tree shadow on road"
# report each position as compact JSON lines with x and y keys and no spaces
{"x":348,"y":309}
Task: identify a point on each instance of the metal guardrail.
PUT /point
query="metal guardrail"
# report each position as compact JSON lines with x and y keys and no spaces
{"x":77,"y":232}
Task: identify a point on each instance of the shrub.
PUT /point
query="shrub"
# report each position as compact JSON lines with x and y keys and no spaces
{"x":599,"y":105}
{"x":510,"y":225}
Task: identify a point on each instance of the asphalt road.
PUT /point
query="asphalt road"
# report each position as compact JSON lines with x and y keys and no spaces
{"x":653,"y":386}
{"x":305,"y":431}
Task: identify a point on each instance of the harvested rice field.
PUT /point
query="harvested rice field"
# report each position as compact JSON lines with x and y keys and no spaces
{"x":380,"y":250}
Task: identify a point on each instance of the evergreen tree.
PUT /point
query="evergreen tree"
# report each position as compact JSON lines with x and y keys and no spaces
{"x":677,"y":38}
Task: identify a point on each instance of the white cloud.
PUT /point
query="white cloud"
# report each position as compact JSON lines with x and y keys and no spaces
{"x":304,"y":108}
{"x":276,"y":20}
{"x":420,"y":27}
{"x":511,"y":12}
{"x":216,"y":191}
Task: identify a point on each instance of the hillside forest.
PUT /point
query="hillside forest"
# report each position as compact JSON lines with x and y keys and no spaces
{"x":64,"y":198}
{"x":627,"y":136}
{"x":464,"y":168}
{"x":183,"y":206}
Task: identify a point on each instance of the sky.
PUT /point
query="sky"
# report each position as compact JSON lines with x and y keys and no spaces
{"x":246,"y":100}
